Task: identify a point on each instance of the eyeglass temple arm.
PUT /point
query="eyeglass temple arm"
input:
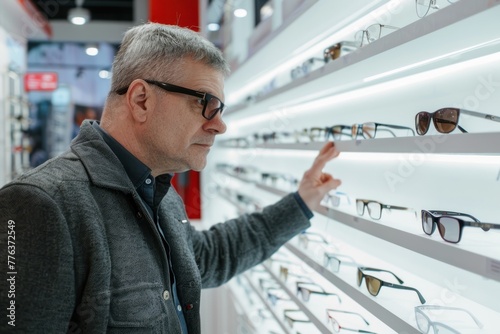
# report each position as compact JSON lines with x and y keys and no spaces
{"x":403,"y":287}
{"x":396,"y":127}
{"x":437,"y":307}
{"x":480,"y":115}
{"x":348,"y":312}
{"x":389,"y":207}
{"x":381,"y":270}
{"x":484,"y":226}
{"x":452,"y":213}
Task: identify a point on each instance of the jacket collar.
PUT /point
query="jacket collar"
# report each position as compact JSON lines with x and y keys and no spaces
{"x":102,"y":165}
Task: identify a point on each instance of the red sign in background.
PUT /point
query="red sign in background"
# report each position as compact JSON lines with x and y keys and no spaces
{"x":40,"y":81}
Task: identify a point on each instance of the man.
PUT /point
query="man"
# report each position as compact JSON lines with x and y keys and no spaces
{"x":102,"y":243}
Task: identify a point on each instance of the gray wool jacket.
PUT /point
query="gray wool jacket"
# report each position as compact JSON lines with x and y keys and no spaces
{"x":85,"y":256}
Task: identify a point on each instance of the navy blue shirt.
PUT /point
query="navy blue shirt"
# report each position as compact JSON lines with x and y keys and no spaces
{"x":152,"y":190}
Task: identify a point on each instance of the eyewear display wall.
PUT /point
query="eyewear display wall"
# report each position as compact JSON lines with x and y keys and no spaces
{"x":429,"y":77}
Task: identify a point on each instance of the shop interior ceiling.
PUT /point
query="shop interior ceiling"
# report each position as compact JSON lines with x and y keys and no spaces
{"x":101,"y":10}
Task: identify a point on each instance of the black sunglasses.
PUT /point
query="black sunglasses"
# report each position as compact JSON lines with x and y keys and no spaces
{"x":450,"y":227}
{"x":373,"y":284}
{"x":211,"y":104}
{"x":446,"y":119}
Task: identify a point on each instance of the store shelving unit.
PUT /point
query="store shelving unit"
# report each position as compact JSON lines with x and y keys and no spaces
{"x":447,"y":59}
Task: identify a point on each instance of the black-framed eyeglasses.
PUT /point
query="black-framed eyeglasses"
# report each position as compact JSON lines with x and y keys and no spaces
{"x":375,"y":208}
{"x":422,"y":7}
{"x":425,"y":324}
{"x":371,"y":33}
{"x":450,"y":227}
{"x":445,"y":120}
{"x":374,"y":284}
{"x":369,"y":130}
{"x":336,"y":327}
{"x":211,"y":104}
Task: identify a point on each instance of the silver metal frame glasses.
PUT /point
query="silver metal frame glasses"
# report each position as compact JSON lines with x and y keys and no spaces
{"x":425,"y":324}
{"x":208,"y":101}
{"x":422,"y":7}
{"x":368,"y":130}
{"x":336,"y":327}
{"x":371,"y":33}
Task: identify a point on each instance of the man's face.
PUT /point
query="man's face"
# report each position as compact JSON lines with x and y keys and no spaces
{"x":178,"y":137}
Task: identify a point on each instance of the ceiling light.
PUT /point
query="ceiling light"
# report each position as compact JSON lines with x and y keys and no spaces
{"x":79,"y":15}
{"x":104,"y":74}
{"x":213,"y":27}
{"x":240,"y":12}
{"x":92,"y":50}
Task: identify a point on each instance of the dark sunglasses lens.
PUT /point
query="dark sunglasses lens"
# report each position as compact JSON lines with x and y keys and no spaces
{"x":427,"y":223}
{"x":360,"y":207}
{"x":422,"y":122}
{"x":449,"y":228}
{"x":373,"y":285}
{"x":360,"y":277}
{"x":446,"y":120}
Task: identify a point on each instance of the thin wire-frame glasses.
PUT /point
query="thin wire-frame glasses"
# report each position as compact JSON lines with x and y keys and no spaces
{"x":374,"y":284}
{"x":371,"y":33}
{"x":422,"y":7}
{"x":336,"y":327}
{"x":212,"y":105}
{"x":425,"y":324}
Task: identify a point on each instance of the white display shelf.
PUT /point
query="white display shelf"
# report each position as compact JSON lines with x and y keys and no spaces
{"x":462,"y":258}
{"x":384,"y":315}
{"x":312,"y":317}
{"x":391,"y":57}
{"x":294,"y":36}
{"x":469,"y":143}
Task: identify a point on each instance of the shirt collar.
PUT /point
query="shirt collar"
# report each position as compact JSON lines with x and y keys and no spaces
{"x":136,"y":170}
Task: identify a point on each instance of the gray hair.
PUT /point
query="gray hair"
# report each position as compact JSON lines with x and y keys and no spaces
{"x":151,"y":51}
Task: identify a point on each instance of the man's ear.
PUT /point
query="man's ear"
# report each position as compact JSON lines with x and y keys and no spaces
{"x":140,"y":100}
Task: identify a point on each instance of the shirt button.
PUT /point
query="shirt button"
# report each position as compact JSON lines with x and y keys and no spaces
{"x":179,"y":308}
{"x":166,"y":295}
{"x":148,"y":181}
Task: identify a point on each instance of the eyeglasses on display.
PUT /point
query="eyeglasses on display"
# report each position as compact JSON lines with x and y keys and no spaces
{"x":422,"y":7}
{"x":445,"y":120}
{"x":305,"y":237}
{"x":373,"y":284}
{"x":338,"y":49}
{"x":333,"y":261}
{"x":375,"y":208}
{"x":305,"y":289}
{"x":291,"y":320}
{"x":335,"y":198}
{"x":274,"y":295}
{"x":336,"y":327}
{"x":295,"y":271}
{"x":449,"y":226}
{"x":369,"y":130}
{"x":371,"y":33}
{"x":210,"y":103}
{"x":427,"y":326}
